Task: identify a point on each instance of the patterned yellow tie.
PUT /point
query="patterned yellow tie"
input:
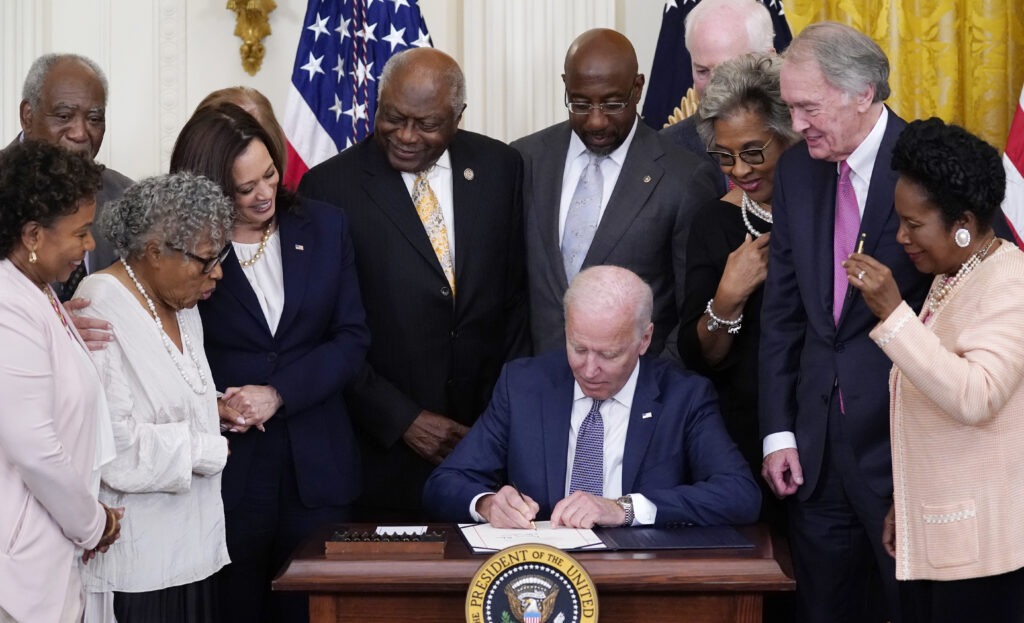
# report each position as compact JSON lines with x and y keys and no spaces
{"x":433,"y":222}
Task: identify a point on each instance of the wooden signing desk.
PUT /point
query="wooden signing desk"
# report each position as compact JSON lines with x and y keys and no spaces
{"x":698,"y":586}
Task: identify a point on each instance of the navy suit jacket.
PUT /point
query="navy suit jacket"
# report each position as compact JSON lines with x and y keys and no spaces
{"x":430,"y":350}
{"x":677,"y":451}
{"x":319,"y":346}
{"x":803,"y":353}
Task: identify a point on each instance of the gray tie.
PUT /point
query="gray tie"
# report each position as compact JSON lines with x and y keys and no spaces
{"x":582,"y":219}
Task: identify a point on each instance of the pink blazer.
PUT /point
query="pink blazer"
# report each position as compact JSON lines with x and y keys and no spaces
{"x":50,"y":397}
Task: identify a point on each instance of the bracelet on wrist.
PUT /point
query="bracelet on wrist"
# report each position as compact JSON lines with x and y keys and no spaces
{"x":112,"y":524}
{"x":715,"y":323}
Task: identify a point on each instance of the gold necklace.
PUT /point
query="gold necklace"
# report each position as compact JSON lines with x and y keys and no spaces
{"x":56,"y":308}
{"x":259,"y":250}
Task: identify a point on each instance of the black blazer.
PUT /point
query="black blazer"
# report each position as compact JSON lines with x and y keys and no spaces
{"x":318,"y":348}
{"x":428,"y":351}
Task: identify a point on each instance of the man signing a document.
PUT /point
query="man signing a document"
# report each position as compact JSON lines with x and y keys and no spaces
{"x":597,"y":434}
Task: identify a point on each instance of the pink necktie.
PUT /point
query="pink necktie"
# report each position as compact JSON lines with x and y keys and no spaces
{"x":845,"y":236}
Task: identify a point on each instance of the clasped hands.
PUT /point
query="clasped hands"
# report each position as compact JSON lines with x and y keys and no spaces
{"x":111,"y":533}
{"x":508,"y":509}
{"x":241,"y":408}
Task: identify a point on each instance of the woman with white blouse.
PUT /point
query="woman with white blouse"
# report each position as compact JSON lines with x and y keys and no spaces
{"x":171,"y":233}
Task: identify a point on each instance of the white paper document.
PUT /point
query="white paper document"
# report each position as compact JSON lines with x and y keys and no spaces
{"x":486,"y":538}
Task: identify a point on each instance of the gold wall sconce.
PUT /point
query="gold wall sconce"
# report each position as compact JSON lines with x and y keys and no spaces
{"x":252,"y":25}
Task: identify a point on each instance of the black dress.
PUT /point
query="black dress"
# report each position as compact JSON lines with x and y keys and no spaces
{"x":717,"y":230}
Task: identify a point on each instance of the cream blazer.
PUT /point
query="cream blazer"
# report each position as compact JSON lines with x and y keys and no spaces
{"x":957,"y":426}
{"x":49,"y":402}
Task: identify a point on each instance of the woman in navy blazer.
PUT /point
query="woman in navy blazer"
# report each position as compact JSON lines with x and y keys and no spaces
{"x":285,"y":333}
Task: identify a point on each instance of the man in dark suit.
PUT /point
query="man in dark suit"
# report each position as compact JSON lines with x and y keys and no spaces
{"x":824,"y":404}
{"x":436,"y":221}
{"x":713,"y":36}
{"x":597,"y":434}
{"x":64,"y":103}
{"x":646,"y":190}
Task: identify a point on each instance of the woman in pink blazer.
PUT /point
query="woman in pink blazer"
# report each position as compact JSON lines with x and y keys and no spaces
{"x":51,"y":409}
{"x":957,"y":383}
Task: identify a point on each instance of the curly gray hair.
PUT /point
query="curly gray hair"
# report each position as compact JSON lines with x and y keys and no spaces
{"x":32,"y":91}
{"x":181,"y":210}
{"x":749,"y":82}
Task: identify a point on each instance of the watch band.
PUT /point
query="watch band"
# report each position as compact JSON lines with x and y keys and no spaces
{"x":626,"y":504}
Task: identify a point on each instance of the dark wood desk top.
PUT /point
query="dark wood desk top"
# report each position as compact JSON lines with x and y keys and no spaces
{"x":766,"y":567}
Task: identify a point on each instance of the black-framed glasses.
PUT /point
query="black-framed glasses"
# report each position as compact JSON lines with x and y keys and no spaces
{"x":750,"y":156}
{"x":209,"y":263}
{"x":606,"y":108}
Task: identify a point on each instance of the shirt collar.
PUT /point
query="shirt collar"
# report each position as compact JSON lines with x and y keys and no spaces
{"x":624,"y":396}
{"x":862,"y":160}
{"x":618,"y":156}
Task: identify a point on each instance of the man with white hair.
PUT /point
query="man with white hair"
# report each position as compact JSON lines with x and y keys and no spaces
{"x":713,"y":36}
{"x":598,"y":434}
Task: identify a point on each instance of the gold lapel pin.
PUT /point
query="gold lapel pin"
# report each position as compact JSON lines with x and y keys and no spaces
{"x":647,"y":179}
{"x":468,"y":174}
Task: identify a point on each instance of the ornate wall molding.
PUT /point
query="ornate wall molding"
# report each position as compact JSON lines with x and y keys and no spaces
{"x":171,"y":61}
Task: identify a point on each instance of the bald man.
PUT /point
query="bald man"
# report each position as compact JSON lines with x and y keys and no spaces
{"x":436,"y":221}
{"x":712,"y":37}
{"x":597,"y":434}
{"x":603,"y":188}
{"x":64,"y":103}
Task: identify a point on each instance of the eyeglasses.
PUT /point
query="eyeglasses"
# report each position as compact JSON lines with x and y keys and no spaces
{"x":209,"y":263}
{"x":750,"y":156}
{"x":606,"y":108}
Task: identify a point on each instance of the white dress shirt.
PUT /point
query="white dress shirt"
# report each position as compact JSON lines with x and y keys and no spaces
{"x":439,"y":177}
{"x":266,"y":276}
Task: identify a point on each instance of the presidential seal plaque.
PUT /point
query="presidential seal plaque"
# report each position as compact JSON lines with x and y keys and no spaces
{"x":531,"y":583}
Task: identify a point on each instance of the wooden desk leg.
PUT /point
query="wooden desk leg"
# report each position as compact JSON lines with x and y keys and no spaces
{"x":323,"y":608}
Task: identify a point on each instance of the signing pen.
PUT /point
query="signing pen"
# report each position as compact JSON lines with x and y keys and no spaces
{"x":521,"y":497}
{"x":860,"y":242}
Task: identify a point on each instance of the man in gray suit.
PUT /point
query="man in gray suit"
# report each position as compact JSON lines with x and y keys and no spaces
{"x":64,"y":103}
{"x":712,"y":37}
{"x":604,"y":188}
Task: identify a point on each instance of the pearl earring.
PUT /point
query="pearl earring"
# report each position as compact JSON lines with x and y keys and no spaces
{"x":32,"y":257}
{"x":962,"y":238}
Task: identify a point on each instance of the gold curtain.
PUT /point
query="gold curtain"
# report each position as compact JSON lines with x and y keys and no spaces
{"x":960,"y":60}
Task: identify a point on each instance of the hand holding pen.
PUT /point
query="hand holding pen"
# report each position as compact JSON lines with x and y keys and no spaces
{"x":874,"y":280}
{"x":508,"y":508}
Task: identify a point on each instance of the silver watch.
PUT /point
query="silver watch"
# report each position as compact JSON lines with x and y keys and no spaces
{"x":626,"y":504}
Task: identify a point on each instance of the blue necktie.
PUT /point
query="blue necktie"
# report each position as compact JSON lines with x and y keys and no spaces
{"x":583,"y":216}
{"x":588,"y":462}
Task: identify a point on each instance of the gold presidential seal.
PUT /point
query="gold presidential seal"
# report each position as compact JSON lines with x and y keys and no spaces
{"x":531,"y":583}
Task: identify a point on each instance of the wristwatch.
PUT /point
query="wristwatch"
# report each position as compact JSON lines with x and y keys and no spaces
{"x":626,"y":504}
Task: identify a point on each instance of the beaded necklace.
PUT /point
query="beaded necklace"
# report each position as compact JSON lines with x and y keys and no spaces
{"x":171,"y":350}
{"x":749,"y":205}
{"x":56,"y":308}
{"x":259,"y":250}
{"x":939,"y":293}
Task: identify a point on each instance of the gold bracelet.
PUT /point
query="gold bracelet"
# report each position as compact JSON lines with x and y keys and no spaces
{"x":109,"y":532}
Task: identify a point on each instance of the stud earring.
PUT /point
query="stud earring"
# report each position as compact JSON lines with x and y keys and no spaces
{"x":962,"y":238}
{"x":32,"y":257}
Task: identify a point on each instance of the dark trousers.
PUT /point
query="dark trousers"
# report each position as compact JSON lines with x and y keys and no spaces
{"x":190,"y":603}
{"x":263,"y":530}
{"x":842,"y":571}
{"x":994,"y":598}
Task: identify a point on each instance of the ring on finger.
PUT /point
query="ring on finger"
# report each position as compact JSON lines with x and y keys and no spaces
{"x":860,"y":276}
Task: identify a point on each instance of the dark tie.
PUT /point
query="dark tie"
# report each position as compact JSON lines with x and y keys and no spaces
{"x":588,"y":462}
{"x":67,"y":289}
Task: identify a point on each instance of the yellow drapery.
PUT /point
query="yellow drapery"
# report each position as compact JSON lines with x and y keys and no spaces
{"x":961,"y":60}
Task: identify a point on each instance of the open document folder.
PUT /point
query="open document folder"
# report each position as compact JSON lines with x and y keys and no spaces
{"x":484,"y":538}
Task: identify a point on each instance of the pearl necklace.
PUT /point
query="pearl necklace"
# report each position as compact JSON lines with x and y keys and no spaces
{"x":171,"y":350}
{"x":939,"y":293}
{"x":749,"y":205}
{"x":259,"y":250}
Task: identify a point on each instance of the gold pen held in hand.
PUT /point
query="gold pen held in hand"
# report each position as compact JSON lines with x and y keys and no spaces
{"x":860,"y":242}
{"x":523,"y":498}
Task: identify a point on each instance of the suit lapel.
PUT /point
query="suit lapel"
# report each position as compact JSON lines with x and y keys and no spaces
{"x":468,"y":213}
{"x":639,"y":176}
{"x":823,"y":219}
{"x":643,"y":420}
{"x":548,"y":170}
{"x":555,"y":418}
{"x":237,"y":285}
{"x":386,"y":188}
{"x":296,"y":250}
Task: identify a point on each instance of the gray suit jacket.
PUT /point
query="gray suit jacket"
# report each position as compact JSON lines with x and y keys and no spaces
{"x":644,"y":227}
{"x":113,"y":186}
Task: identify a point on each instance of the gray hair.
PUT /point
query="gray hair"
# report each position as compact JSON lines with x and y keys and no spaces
{"x":849,"y":60}
{"x":452,"y":76}
{"x":181,"y":210}
{"x":723,"y":14}
{"x":32,"y":91}
{"x":749,"y":82}
{"x":611,"y":287}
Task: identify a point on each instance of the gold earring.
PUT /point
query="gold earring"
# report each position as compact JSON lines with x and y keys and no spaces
{"x":32,"y":257}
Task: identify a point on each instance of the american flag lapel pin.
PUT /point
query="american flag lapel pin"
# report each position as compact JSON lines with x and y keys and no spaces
{"x":647,"y":415}
{"x":299,"y":247}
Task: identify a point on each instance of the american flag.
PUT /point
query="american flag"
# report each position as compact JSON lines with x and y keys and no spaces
{"x":343,"y":47}
{"x":671,"y":74}
{"x":1013,"y":162}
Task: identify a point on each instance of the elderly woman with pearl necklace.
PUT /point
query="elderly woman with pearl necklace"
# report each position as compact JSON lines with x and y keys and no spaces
{"x":171,"y":233}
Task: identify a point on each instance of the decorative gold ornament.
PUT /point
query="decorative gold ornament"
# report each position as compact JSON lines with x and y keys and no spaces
{"x":687,"y":107}
{"x":252,"y":25}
